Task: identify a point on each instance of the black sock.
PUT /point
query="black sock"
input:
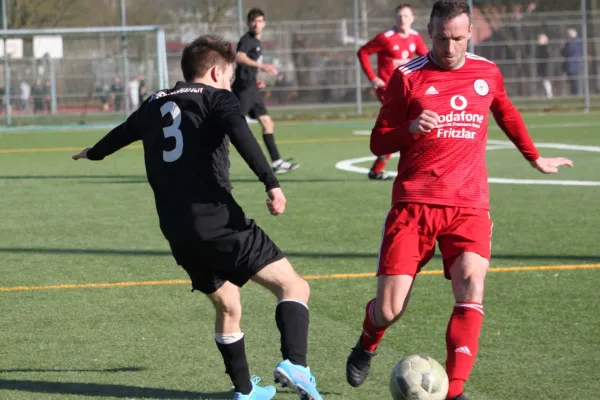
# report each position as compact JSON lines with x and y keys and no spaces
{"x":271,"y":146}
{"x":236,"y":365}
{"x":292,"y":321}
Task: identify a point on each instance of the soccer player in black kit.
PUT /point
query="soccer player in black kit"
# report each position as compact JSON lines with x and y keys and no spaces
{"x":185,"y":133}
{"x":247,"y":86}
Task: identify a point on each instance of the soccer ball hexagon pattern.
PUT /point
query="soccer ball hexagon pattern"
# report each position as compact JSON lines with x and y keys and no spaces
{"x":418,"y":377}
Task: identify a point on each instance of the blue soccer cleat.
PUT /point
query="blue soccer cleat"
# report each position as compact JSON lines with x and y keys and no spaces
{"x":257,"y":393}
{"x":297,"y":378}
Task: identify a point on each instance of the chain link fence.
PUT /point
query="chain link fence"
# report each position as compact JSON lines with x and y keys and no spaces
{"x":317,"y":58}
{"x":538,"y":45}
{"x":79,"y":72}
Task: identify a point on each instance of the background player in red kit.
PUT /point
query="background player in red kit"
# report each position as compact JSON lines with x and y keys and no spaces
{"x":394,"y":48}
{"x":436,"y":114}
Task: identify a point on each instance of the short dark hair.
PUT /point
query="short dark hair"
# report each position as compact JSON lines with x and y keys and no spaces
{"x":448,"y":9}
{"x":401,"y":6}
{"x":204,"y":53}
{"x":254,"y":13}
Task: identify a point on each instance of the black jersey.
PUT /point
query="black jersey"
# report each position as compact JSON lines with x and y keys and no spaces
{"x":245,"y":76}
{"x":185,"y":133}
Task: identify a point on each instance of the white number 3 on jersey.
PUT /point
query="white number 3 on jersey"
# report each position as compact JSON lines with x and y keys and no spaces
{"x":172,"y":131}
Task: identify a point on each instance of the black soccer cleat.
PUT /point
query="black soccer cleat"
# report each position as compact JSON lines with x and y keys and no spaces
{"x":460,"y":397}
{"x":285,"y":166}
{"x":358,"y":365}
{"x":379,"y":176}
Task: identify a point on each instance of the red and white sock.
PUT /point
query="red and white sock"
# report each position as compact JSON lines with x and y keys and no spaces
{"x":462,"y":343}
{"x":372,"y":333}
{"x":380,"y":163}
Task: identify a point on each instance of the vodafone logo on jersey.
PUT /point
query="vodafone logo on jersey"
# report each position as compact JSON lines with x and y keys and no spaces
{"x":459,"y":124}
{"x":458,"y":102}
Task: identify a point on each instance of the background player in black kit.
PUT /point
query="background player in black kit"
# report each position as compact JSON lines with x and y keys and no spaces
{"x":185,"y":133}
{"x":247,"y":86}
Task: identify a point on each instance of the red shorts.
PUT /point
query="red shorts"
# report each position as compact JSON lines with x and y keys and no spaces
{"x":411,"y":229}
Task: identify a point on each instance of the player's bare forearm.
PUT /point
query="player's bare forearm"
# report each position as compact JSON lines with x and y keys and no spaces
{"x":114,"y":141}
{"x":242,"y":58}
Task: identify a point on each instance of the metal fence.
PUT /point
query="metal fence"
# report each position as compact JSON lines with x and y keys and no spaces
{"x":79,"y":71}
{"x":317,"y":58}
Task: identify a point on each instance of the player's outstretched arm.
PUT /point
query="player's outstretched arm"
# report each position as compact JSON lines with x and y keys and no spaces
{"x":228,"y":114}
{"x":550,"y":165}
{"x":511,"y":122}
{"x":244,"y":141}
{"x":121,"y":136}
{"x":242,"y":58}
{"x":392,"y":129}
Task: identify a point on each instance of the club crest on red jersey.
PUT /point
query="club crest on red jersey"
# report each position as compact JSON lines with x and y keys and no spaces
{"x":481,"y":87}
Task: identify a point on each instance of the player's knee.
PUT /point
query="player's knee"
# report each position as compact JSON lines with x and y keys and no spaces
{"x":231,"y":309}
{"x":267,"y":123}
{"x":298,"y":288}
{"x":227,"y":301}
{"x":389,"y":312}
{"x":468,"y":278}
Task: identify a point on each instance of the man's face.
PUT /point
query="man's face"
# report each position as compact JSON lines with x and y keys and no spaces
{"x":404,"y":18}
{"x":450,"y":40}
{"x":257,"y":25}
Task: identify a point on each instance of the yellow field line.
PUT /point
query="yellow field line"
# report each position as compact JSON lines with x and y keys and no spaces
{"x":134,"y":147}
{"x":307,"y":277}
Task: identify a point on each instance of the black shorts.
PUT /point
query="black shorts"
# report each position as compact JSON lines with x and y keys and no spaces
{"x":234,"y":257}
{"x":251,"y":102}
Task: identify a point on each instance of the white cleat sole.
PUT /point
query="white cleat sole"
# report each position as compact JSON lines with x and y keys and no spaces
{"x":283,"y":379}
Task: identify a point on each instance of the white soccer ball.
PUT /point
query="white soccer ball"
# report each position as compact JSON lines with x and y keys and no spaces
{"x":418,"y":378}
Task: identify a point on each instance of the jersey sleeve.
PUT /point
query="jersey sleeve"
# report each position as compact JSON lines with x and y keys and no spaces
{"x":228,"y":115}
{"x":372,"y":47}
{"x":511,"y":122}
{"x":421,"y":46}
{"x":121,"y":136}
{"x":391,"y":131}
{"x":244,"y":45}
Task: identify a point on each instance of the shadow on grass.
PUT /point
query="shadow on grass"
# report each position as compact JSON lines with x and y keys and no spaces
{"x":133,"y":179}
{"x":121,"y":369}
{"x":107,"y":390}
{"x":317,"y":254}
{"x":118,"y":391}
{"x":42,"y":177}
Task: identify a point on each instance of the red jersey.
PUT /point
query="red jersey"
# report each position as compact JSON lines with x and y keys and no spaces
{"x":392,"y":50}
{"x":447,"y":165}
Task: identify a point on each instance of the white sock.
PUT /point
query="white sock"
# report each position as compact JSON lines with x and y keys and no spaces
{"x":228,"y":338}
{"x":295,"y":301}
{"x":548,"y":87}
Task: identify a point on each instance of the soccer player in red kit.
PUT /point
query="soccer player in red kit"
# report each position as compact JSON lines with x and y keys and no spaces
{"x":436,"y":114}
{"x":394,"y":48}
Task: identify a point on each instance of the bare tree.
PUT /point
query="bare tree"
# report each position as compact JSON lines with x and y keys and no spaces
{"x":38,"y":13}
